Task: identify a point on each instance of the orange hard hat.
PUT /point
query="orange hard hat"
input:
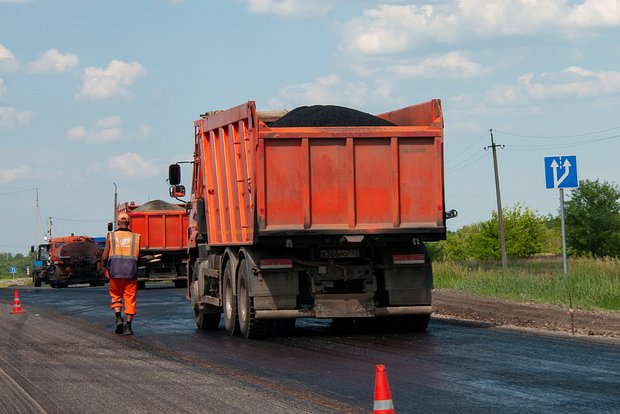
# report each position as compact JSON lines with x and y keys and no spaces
{"x":123,"y":217}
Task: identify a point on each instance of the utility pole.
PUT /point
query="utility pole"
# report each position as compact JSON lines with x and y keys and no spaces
{"x":500,"y":217}
{"x":36,"y":218}
{"x":115,"y":201}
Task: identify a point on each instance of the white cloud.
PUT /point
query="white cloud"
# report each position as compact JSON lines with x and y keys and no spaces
{"x":104,"y":83}
{"x":132,"y":165}
{"x":8,"y":175}
{"x":8,"y":62}
{"x":105,"y":130}
{"x":573,"y":81}
{"x":394,"y":28}
{"x":111,"y":121}
{"x":54,"y":61}
{"x":303,"y":8}
{"x":11,"y":117}
{"x":331,"y":90}
{"x":15,"y":1}
{"x":449,"y":66}
{"x":593,"y":13}
{"x":4,"y":92}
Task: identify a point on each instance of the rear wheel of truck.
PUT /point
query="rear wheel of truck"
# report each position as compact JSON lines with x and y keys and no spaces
{"x":141,"y":284}
{"x":230,"y":302}
{"x":36,"y":283}
{"x":249,"y":326}
{"x":207,"y":318}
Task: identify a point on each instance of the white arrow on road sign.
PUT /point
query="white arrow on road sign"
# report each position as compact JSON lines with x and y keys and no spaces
{"x":554,"y":166}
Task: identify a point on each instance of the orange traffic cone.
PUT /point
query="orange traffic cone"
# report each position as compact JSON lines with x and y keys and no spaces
{"x":17,"y":307}
{"x":383,"y":400}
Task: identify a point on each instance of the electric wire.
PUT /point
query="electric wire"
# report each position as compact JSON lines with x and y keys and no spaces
{"x":557,"y":136}
{"x":78,"y":220}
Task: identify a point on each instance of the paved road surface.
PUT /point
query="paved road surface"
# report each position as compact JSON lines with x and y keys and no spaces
{"x":61,"y":356}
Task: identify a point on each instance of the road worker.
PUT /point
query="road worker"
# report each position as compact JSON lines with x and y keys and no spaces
{"x":120,"y":258}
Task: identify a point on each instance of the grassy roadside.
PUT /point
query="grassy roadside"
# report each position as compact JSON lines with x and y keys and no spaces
{"x":21,"y":281}
{"x":593,"y":284}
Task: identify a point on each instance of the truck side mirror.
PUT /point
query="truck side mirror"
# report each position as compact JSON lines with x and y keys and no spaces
{"x":31,"y":249}
{"x":174,"y":174}
{"x":177,"y":191}
{"x":110,"y":226}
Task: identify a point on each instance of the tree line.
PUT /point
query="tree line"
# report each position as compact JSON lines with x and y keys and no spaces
{"x":592,"y":215}
{"x":592,"y":218}
{"x":19,"y":261}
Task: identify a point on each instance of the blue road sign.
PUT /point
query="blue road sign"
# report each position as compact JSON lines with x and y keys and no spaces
{"x":13,"y":270}
{"x":561,"y":172}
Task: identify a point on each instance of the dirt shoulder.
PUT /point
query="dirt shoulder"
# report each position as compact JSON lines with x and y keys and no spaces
{"x":535,"y":316}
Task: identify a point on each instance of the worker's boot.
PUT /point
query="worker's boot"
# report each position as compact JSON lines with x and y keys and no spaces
{"x":128,"y":330}
{"x":119,"y":325}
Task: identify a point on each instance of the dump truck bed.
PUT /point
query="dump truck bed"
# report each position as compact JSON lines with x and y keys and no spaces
{"x":262,"y":181}
{"x":160,"y":230}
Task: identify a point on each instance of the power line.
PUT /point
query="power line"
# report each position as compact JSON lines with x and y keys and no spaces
{"x":558,"y":136}
{"x":517,"y":147}
{"x":461,"y":166}
{"x":19,"y":191}
{"x":468,"y":148}
{"x":79,"y":221}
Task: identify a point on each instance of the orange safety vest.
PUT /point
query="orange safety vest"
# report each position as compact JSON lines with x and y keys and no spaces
{"x":124,"y":252}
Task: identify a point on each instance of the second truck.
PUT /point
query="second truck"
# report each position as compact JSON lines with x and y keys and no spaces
{"x":321,"y":212}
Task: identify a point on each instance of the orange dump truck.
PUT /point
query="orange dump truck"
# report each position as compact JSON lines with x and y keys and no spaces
{"x":163,"y":240}
{"x":320,"y":212}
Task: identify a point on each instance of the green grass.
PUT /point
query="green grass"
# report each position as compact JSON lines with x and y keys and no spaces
{"x":593,"y":284}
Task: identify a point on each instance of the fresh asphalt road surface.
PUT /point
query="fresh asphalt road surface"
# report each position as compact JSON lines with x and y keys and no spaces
{"x":61,"y":356}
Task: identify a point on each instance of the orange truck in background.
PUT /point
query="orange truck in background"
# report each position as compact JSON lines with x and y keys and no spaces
{"x":163,"y":240}
{"x":68,"y":260}
{"x":313,"y":220}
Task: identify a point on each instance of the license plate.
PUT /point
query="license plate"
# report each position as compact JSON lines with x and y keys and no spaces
{"x":339,"y":253}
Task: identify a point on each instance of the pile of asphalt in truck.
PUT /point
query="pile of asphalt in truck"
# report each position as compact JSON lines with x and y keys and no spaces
{"x":328,"y":116}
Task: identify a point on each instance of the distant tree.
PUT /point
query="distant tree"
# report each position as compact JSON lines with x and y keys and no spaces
{"x":524,"y":230}
{"x":459,"y":244}
{"x":553,"y":238}
{"x":526,"y":235}
{"x":593,"y":219}
{"x":18,"y":261}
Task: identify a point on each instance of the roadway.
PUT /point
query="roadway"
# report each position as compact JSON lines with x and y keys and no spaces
{"x":61,"y":356}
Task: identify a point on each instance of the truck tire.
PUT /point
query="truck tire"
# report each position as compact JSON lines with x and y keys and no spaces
{"x":249,"y":326}
{"x":206,"y":320}
{"x":230,"y":301}
{"x":36,"y":282}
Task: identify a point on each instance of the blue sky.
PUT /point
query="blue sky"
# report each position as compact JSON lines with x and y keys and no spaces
{"x":95,"y":93}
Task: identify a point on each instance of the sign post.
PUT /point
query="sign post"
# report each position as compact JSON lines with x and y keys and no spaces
{"x":561,"y":173}
{"x":13,"y":271}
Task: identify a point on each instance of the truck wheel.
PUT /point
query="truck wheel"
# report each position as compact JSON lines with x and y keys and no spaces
{"x":206,"y":320}
{"x":36,"y":282}
{"x":230,"y":302}
{"x":180,"y":283}
{"x":141,"y":285}
{"x":249,"y":326}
